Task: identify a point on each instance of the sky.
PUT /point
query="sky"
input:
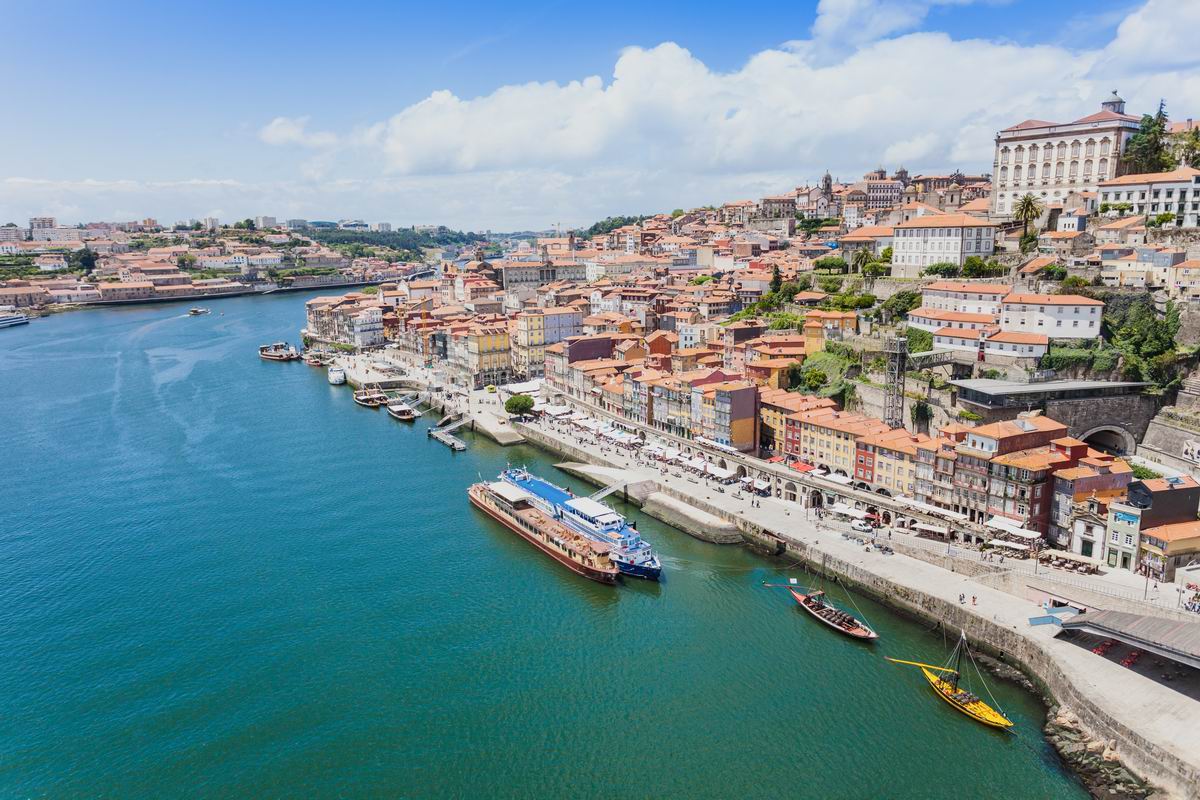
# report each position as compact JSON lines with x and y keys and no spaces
{"x":507,"y":116}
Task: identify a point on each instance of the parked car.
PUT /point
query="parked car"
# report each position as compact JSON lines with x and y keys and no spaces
{"x":862,"y":526}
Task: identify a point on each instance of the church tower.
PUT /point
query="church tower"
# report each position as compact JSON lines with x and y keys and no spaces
{"x":1114,"y":103}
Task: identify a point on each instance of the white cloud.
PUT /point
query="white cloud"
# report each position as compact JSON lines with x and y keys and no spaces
{"x":294,"y":130}
{"x":666,"y":130}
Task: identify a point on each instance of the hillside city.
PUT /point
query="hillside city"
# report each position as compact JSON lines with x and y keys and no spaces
{"x":912,"y":335}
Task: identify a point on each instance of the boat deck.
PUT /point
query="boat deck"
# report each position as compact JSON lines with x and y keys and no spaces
{"x":542,"y":489}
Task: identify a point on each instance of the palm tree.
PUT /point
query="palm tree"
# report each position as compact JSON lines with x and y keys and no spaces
{"x":1027,"y":209}
{"x":862,"y":256}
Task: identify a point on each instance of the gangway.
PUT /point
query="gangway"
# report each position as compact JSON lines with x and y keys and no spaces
{"x":607,"y":490}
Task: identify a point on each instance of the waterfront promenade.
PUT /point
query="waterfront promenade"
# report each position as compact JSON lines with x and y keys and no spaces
{"x":1141,"y":709}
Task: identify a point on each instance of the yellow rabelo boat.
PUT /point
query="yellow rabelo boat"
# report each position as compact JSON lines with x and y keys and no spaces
{"x":945,"y":682}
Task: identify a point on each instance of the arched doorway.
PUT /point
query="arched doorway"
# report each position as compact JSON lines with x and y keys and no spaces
{"x":789,"y":491}
{"x":886,"y":518}
{"x":883,"y":492}
{"x":722,"y":464}
{"x":815,"y":500}
{"x":1110,"y":439}
{"x":741,"y":471}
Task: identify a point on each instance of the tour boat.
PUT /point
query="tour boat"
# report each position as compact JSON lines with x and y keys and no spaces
{"x":371,"y":397}
{"x":946,"y":683}
{"x":630,"y":552}
{"x":197,"y":311}
{"x":816,"y":604}
{"x":280,"y":351}
{"x":8,"y":320}
{"x":336,"y":376}
{"x":402,"y":411}
{"x":516,"y":509}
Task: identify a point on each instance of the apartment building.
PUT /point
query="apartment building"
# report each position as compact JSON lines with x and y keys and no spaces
{"x":939,"y":238}
{"x":964,"y":297}
{"x":1058,"y":316}
{"x":1150,"y":504}
{"x":827,"y":438}
{"x":775,"y":405}
{"x":888,"y":461}
{"x":1150,"y":194}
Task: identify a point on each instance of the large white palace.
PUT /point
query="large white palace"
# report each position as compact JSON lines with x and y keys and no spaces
{"x":1050,"y":160}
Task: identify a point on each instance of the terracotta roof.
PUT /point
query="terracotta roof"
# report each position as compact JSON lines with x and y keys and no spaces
{"x":1013,"y":337}
{"x":1051,"y":300}
{"x":1180,"y":175}
{"x":969,"y":288}
{"x":940,"y":315}
{"x":1030,"y":123}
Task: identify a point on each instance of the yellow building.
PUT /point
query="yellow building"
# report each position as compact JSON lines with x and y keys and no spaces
{"x":775,"y":405}
{"x":1164,"y":548}
{"x":888,"y":460}
{"x":827,"y":438}
{"x":489,"y":357}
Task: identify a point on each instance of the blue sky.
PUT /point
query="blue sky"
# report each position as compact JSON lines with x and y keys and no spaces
{"x":167,"y":109}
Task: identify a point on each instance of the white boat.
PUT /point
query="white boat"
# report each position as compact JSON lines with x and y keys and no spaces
{"x":198,"y":311}
{"x":402,"y":411}
{"x":8,"y":320}
{"x":336,"y":375}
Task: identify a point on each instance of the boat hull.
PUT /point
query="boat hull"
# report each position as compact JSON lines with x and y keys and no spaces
{"x":639,"y":570}
{"x":860,"y":632}
{"x":9,"y":323}
{"x":600,"y":576}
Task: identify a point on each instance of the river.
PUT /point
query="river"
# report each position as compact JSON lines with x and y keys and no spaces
{"x":219,"y":577}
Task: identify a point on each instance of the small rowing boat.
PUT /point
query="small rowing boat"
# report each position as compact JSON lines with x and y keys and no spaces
{"x":946,"y":682}
{"x":402,"y":411}
{"x":371,"y":397}
{"x":815,"y":603}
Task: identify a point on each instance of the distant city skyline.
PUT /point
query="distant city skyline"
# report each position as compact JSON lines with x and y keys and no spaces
{"x":484,"y":118}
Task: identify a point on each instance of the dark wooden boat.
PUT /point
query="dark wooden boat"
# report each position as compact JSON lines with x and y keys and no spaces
{"x":814,"y":603}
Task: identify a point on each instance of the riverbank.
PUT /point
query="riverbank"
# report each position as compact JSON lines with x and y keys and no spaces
{"x":1137,"y":726}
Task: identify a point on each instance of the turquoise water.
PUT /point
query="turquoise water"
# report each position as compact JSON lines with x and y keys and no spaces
{"x":219,"y":577}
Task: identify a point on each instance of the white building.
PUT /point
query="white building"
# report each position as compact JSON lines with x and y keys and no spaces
{"x":935,"y":319}
{"x":1050,"y":160}
{"x":964,"y":297}
{"x":937,"y":238}
{"x":211,"y":223}
{"x":11,"y":233}
{"x":37,"y":223}
{"x":263,"y":223}
{"x":296,"y":224}
{"x":1176,"y":192}
{"x":368,"y":327}
{"x":56,"y":234}
{"x":381,"y":227}
{"x":1058,"y":316}
{"x":992,"y":342}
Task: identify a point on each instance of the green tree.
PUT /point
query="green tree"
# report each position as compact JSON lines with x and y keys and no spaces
{"x":814,"y":379}
{"x":942,"y":269}
{"x":919,"y":341}
{"x":899,"y":304}
{"x":1148,"y":150}
{"x":776,"y":280}
{"x":86,"y":260}
{"x":1144,"y":473}
{"x":862,"y":256}
{"x":677,"y":213}
{"x":920,"y":413}
{"x":830,"y":265}
{"x":518,"y":404}
{"x":885,"y":255}
{"x":1027,"y":210}
{"x":795,"y":376}
{"x":700,"y":280}
{"x":1073,"y":284}
{"x":1189,"y":148}
{"x":876,"y":269}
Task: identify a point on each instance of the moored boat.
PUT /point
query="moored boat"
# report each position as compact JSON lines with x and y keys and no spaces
{"x":402,"y":411}
{"x":816,"y":604}
{"x":279,"y":351}
{"x":514,"y":508}
{"x":8,"y":320}
{"x":336,"y":376}
{"x":630,"y":552}
{"x":946,"y":682}
{"x":371,"y":397}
